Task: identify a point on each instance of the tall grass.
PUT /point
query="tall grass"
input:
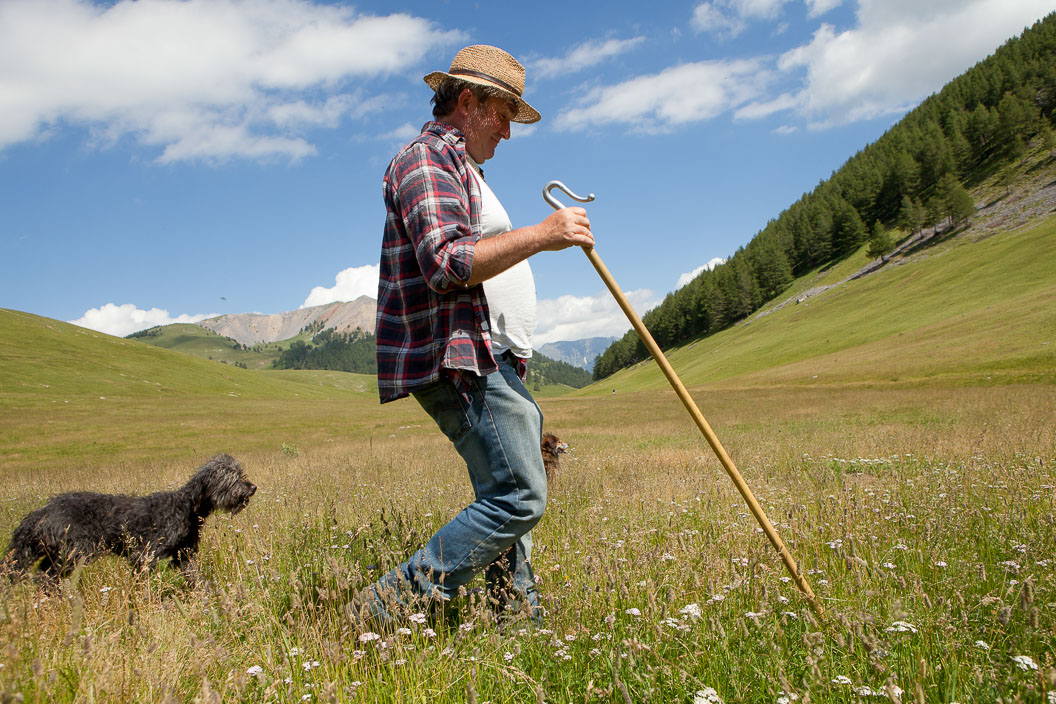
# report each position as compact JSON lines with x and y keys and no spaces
{"x":923,"y":518}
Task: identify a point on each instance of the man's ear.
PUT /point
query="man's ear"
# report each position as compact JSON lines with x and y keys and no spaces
{"x":467,"y":102}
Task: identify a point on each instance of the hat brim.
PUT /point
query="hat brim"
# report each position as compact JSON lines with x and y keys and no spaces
{"x":526,"y":114}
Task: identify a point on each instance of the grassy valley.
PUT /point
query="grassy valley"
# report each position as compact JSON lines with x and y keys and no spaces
{"x":897,"y":429}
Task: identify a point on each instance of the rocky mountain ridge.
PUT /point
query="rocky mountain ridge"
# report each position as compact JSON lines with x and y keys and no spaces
{"x":257,"y":328}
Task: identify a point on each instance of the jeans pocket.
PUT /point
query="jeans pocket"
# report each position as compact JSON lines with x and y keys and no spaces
{"x":445,"y":405}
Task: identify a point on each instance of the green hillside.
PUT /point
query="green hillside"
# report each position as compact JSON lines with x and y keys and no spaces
{"x":196,"y":340}
{"x":965,"y":311}
{"x":44,"y":360}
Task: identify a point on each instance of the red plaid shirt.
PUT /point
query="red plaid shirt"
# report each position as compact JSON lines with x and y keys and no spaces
{"x":429,"y":322}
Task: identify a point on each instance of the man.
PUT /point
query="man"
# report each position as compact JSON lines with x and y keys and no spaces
{"x":456,"y":314}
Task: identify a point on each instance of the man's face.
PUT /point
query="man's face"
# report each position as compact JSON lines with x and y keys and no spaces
{"x":488,"y":124}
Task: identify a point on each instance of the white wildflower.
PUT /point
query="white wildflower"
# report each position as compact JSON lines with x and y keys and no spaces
{"x":429,"y":632}
{"x":255,"y":670}
{"x":901,"y":627}
{"x":417,"y":618}
{"x":707,"y":696}
{"x":368,"y":636}
{"x":841,"y":679}
{"x":467,"y":627}
{"x":104,"y":590}
{"x":633,"y":612}
{"x":507,"y":656}
{"x":982,"y":644}
{"x":1025,"y":662}
{"x":691,"y":610}
{"x":717,"y":598}
{"x":890,"y":566}
{"x":940,"y":563}
{"x":403,"y":631}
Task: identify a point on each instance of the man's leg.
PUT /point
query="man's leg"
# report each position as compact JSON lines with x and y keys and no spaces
{"x":496,"y":431}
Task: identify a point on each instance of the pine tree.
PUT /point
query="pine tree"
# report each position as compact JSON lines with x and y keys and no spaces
{"x":956,"y":202}
{"x":911,"y":216}
{"x":1048,"y":141}
{"x":880,"y":242}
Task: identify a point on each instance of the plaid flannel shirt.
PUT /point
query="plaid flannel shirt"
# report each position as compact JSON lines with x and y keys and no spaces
{"x":429,"y":321}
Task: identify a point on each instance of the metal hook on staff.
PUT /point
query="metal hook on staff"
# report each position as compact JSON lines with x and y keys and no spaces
{"x":687,"y":401}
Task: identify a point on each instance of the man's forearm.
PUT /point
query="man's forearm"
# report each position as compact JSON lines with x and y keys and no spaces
{"x":564,"y":228}
{"x":494,"y":255}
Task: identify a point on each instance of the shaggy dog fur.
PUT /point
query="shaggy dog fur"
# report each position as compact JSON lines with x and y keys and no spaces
{"x":552,"y":448}
{"x":80,"y":526}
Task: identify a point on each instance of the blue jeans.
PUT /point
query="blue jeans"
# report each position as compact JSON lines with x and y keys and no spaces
{"x":496,"y":430}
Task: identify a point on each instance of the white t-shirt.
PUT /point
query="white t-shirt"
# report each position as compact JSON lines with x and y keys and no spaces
{"x":511,"y":294}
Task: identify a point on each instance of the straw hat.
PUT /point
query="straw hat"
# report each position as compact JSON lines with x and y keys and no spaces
{"x":489,"y":66}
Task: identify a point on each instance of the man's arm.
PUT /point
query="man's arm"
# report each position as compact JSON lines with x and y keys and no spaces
{"x":568,"y":227}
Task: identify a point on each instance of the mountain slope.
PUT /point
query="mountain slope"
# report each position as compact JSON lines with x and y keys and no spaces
{"x":44,"y":361}
{"x":965,"y":311}
{"x":578,"y":353}
{"x":202,"y":342}
{"x":257,"y":328}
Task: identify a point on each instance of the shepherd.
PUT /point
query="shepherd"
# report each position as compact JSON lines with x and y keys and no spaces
{"x":456,"y":316}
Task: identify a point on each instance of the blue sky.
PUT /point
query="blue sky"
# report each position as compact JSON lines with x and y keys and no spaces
{"x":166,"y":161}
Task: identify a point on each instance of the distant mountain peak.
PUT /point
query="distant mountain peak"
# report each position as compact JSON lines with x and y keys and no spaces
{"x":578,"y":353}
{"x":257,"y":328}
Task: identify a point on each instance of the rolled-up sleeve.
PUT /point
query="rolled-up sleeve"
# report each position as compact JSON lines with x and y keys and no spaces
{"x":434,"y":207}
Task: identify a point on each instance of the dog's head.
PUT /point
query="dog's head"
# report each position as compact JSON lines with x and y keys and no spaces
{"x":552,"y":446}
{"x":225,"y":483}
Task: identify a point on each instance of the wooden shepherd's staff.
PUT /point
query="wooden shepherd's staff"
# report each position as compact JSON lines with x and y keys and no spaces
{"x":688,"y":402}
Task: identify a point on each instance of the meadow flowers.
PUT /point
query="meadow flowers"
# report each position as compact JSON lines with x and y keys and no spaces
{"x":707,"y":696}
{"x":1025,"y":662}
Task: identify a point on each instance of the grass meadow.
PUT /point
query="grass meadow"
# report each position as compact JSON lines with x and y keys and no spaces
{"x":898,"y":430}
{"x":922,"y":516}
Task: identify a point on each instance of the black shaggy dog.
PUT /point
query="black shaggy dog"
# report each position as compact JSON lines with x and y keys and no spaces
{"x":83,"y":525}
{"x":552,"y":449}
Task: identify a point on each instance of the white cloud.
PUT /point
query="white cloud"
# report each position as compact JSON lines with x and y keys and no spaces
{"x":766,"y":108}
{"x":585,"y":55}
{"x":199,"y":79}
{"x":126,"y":319}
{"x":579,"y":317}
{"x":900,"y":52}
{"x":707,"y":17}
{"x":690,"y":275}
{"x":817,"y":8}
{"x":731,"y":17}
{"x":349,"y":285}
{"x":404,"y":133}
{"x":678,"y":95}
